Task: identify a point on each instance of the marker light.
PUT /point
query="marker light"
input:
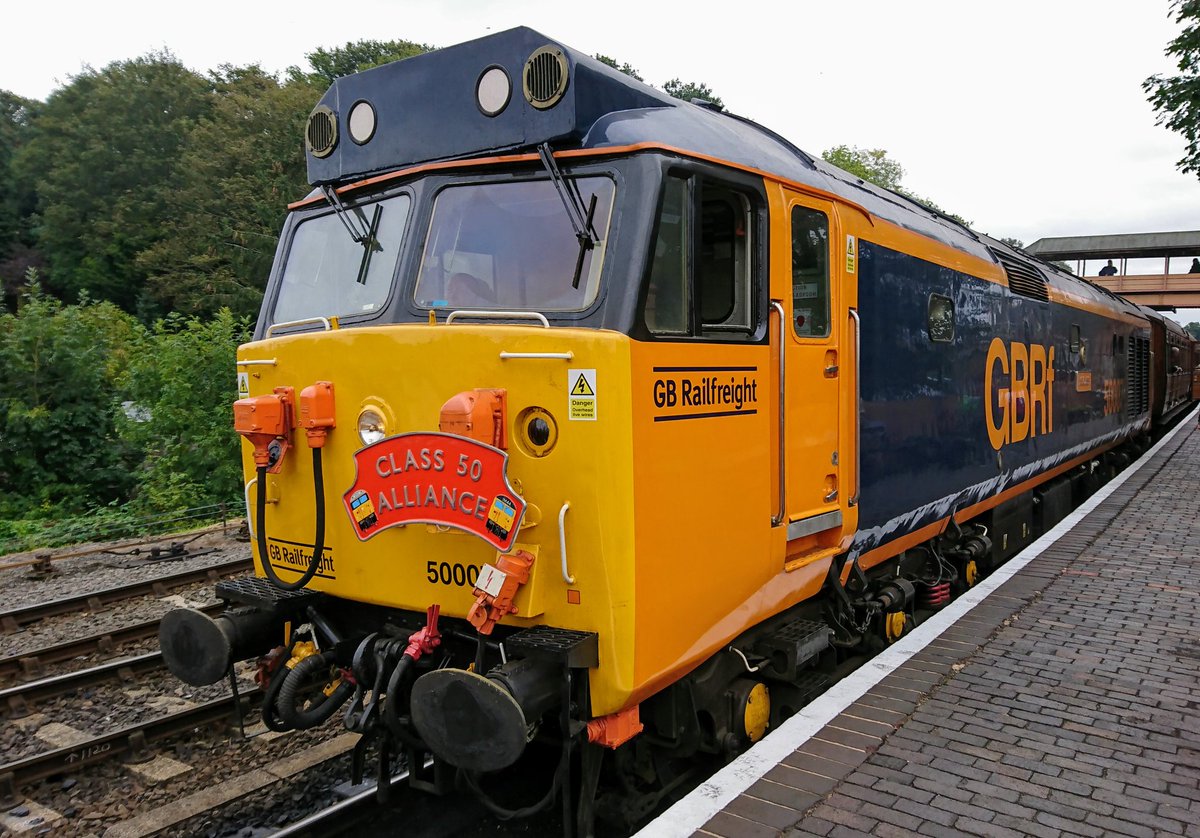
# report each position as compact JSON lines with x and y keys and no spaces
{"x":492,"y":91}
{"x":361,"y":122}
{"x":537,"y":431}
{"x":371,"y":427}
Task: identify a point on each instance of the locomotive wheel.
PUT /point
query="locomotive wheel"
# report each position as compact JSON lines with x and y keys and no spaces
{"x":894,"y":625}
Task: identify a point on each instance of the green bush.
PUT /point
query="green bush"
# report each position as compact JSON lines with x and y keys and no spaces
{"x":182,"y":383}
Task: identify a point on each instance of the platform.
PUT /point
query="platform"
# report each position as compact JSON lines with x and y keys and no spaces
{"x":1060,"y":696}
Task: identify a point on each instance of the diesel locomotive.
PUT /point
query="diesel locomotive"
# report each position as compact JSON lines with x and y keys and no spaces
{"x":576,"y":412}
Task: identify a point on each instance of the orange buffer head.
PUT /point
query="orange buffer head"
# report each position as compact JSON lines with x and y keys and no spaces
{"x":478,"y":414}
{"x":496,"y":588}
{"x":316,"y":412}
{"x":261,"y":419}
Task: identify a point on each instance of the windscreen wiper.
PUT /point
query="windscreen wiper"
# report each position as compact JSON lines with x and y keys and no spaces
{"x":349,"y":221}
{"x":370,"y":245}
{"x":579,"y":215}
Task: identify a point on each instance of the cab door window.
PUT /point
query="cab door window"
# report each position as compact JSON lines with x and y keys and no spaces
{"x":701,"y":281}
{"x":810,"y":273}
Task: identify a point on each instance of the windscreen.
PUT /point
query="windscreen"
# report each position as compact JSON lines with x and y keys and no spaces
{"x":329,"y":274}
{"x":511,"y":246}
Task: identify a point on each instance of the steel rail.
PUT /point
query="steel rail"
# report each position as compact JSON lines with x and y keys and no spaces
{"x":324,"y":821}
{"x":29,"y":662}
{"x":14,"y":618}
{"x":19,"y":700}
{"x":44,"y":557}
{"x":130,"y":742}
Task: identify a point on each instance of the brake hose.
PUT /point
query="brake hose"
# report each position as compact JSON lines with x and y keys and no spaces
{"x":288,"y":708}
{"x":318,"y":539}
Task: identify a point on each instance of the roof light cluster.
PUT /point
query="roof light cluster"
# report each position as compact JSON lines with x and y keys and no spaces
{"x":544,"y":81}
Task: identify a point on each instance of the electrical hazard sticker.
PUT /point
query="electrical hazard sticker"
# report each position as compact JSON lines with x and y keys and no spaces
{"x":243,"y":385}
{"x":581,"y":395}
{"x":851,"y":254}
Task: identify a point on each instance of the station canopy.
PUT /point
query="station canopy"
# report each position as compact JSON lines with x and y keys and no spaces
{"x":1119,"y":246}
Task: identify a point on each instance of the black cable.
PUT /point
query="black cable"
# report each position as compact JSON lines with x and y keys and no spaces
{"x":397,"y":698}
{"x":318,"y":539}
{"x":287,"y":707}
{"x":508,"y":814}
{"x":269,"y":716}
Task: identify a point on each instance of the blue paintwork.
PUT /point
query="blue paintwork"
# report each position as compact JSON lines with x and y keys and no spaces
{"x":925,"y":445}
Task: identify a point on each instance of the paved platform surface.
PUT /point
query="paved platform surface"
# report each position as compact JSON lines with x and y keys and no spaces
{"x":1065,"y":703}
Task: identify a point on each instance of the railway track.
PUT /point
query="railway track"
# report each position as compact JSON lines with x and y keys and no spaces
{"x":19,"y":701}
{"x":131,"y":742}
{"x":12,"y":619}
{"x":31,"y":662}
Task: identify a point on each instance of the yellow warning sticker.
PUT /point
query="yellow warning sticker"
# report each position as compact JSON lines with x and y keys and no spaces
{"x":851,"y":254}
{"x":243,"y":385}
{"x":581,"y":395}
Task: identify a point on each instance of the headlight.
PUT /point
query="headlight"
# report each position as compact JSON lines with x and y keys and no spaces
{"x":371,"y":427}
{"x":537,"y":432}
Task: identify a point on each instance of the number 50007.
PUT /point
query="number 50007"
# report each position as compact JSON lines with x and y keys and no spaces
{"x":445,"y":573}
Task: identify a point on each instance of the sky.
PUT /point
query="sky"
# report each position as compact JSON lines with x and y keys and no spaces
{"x":1027,"y":117}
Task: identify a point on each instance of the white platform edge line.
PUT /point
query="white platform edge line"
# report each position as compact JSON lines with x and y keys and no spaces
{"x":710,"y":797}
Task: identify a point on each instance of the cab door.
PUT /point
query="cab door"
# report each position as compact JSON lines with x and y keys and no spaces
{"x":815,"y":336}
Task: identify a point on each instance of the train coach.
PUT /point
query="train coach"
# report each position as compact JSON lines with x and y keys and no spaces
{"x":577,"y":412}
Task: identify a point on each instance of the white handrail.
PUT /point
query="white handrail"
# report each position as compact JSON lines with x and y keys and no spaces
{"x":324,"y":321}
{"x":561,"y":356}
{"x":498,"y":315}
{"x":562,"y":543}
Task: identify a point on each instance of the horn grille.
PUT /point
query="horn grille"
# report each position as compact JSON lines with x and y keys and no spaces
{"x":321,"y":133}
{"x":545,"y":77}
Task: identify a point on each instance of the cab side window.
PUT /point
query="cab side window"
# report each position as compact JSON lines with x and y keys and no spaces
{"x":701,"y":281}
{"x":810,"y":273}
{"x":668,"y":303}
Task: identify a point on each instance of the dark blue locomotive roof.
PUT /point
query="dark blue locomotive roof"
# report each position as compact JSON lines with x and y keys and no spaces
{"x":425,"y":109}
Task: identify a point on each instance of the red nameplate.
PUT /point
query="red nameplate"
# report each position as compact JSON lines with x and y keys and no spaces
{"x":434,"y":478}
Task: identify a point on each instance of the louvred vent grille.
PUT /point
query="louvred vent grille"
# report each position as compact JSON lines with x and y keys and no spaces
{"x":1024,"y":279}
{"x":545,"y":77}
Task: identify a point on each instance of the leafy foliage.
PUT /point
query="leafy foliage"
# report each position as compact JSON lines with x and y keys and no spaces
{"x":241,"y":165}
{"x":59,"y":366}
{"x":103,"y":149}
{"x":1193,"y":329}
{"x":871,"y":165}
{"x":625,"y":67}
{"x":1176,"y":99}
{"x":331,"y":64}
{"x":687,"y":91}
{"x":17,"y":197}
{"x":182,"y":383}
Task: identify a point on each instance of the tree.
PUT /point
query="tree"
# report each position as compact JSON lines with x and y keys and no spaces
{"x":1193,"y":329}
{"x":335,"y":62}
{"x":1176,"y":99}
{"x":687,"y":91}
{"x":871,"y":165}
{"x":59,"y":450}
{"x":17,"y":197}
{"x":102,"y":153}
{"x":240,"y":166}
{"x":624,"y":67}
{"x":181,"y":379}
